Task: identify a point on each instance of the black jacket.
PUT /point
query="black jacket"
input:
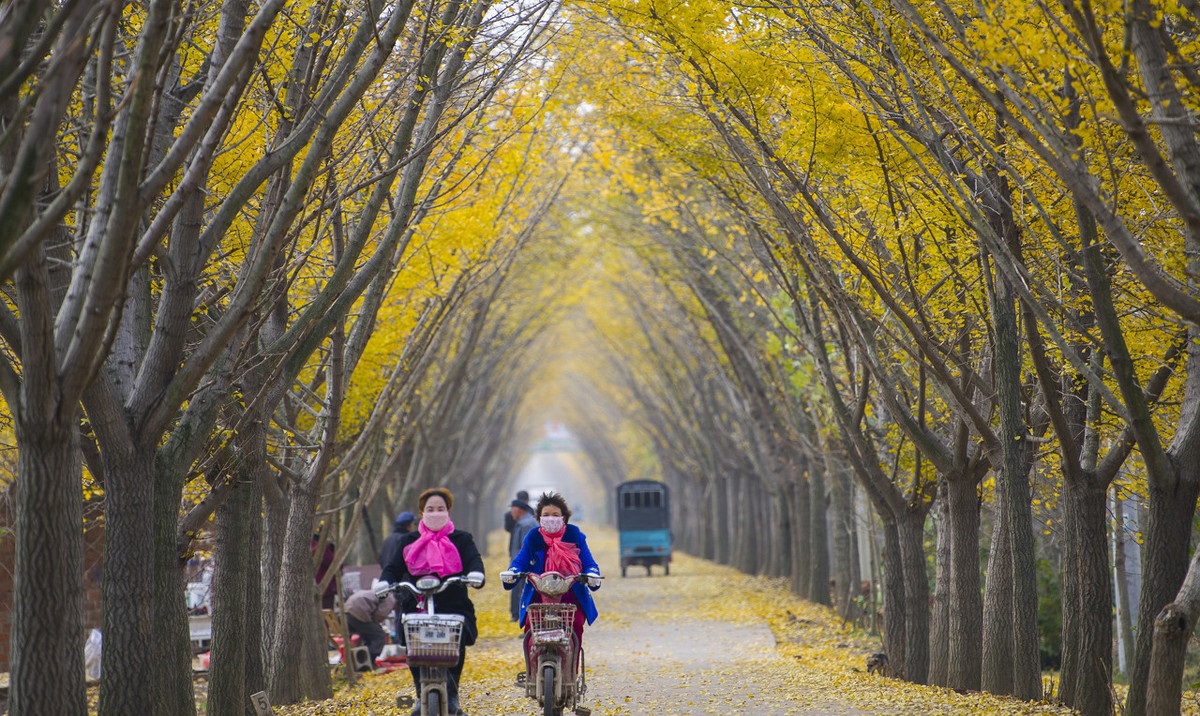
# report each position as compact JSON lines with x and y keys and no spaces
{"x":452,"y":601}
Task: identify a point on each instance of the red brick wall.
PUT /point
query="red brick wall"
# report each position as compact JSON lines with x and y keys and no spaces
{"x":93,"y":559}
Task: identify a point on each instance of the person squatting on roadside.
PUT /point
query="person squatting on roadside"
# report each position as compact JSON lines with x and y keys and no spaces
{"x":556,"y":546}
{"x":365,"y":615}
{"x":438,"y":548}
{"x":523,"y":523}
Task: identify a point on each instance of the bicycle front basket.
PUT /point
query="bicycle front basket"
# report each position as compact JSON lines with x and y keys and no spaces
{"x":433,"y":639}
{"x":551,"y":623}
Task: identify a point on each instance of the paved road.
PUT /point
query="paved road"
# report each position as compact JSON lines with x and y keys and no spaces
{"x":673,"y":645}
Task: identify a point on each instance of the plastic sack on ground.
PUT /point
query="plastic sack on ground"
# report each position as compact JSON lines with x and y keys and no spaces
{"x":91,"y":654}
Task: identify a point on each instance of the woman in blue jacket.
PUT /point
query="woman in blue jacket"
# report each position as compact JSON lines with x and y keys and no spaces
{"x":557,"y":546}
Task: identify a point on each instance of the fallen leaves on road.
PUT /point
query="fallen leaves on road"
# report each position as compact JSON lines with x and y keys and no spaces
{"x":816,"y":665}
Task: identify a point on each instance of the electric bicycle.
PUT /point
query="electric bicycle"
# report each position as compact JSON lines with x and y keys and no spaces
{"x":554,"y":675}
{"x":432,"y":641}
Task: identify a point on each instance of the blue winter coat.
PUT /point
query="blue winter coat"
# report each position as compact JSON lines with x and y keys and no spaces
{"x":532,"y":558}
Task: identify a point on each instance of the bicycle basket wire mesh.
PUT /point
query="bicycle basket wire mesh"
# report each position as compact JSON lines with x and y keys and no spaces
{"x":551,"y":623}
{"x":433,"y":639}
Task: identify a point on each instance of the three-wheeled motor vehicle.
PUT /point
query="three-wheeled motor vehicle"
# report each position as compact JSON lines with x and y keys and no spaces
{"x":644,"y":523}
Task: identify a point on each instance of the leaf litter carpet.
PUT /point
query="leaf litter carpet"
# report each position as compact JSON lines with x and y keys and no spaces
{"x":704,"y":640}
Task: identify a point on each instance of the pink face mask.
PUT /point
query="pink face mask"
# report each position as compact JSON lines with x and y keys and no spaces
{"x":552,"y":524}
{"x":435,"y":520}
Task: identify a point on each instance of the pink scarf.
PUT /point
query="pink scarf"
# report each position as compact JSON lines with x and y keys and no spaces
{"x":433,"y":553}
{"x":561,"y":557}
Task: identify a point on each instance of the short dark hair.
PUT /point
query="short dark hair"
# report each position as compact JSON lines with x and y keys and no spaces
{"x":553,"y":498}
{"x":441,"y":492}
{"x":523,"y":495}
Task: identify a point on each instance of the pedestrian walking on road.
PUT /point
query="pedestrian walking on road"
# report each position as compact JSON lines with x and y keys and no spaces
{"x":523,"y":523}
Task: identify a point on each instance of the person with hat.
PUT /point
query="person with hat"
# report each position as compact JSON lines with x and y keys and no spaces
{"x":405,"y":523}
{"x":509,"y":520}
{"x":523,"y":523}
{"x":438,"y":548}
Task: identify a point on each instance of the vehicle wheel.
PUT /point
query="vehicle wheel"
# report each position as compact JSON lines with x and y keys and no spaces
{"x":433,"y":704}
{"x":548,"y":698}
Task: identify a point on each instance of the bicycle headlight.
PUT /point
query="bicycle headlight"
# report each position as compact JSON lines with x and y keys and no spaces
{"x":428,"y":582}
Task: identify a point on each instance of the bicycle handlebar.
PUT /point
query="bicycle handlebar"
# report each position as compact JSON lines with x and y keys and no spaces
{"x":474,"y":579}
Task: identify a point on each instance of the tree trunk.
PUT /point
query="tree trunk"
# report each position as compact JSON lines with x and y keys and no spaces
{"x":966,"y":602}
{"x":291,"y":676}
{"x":227,"y":694}
{"x":1173,"y":629}
{"x":1093,"y":590}
{"x":894,"y":618}
{"x":802,"y":574}
{"x":786,"y":522}
{"x":128,"y":589}
{"x":172,"y":645}
{"x":845,"y":558}
{"x":1070,"y":601}
{"x":1168,"y":535}
{"x":1013,"y":480}
{"x":818,"y":530}
{"x":916,"y":596}
{"x":996,"y":674}
{"x":47,"y":670}
{"x":722,"y":535}
{"x":1121,"y":579}
{"x":939,"y":622}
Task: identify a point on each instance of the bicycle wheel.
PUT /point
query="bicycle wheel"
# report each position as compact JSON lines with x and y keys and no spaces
{"x":433,"y":704}
{"x":548,"y":698}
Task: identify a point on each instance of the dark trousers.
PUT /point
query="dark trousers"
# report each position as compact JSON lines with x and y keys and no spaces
{"x":371,"y":633}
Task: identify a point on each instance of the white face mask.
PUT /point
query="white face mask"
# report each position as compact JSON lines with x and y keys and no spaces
{"x":552,"y":524}
{"x":436,"y":520}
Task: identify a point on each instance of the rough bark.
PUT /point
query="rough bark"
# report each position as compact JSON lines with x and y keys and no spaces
{"x":1015,"y":463}
{"x":1093,"y":695}
{"x":172,"y":643}
{"x":966,"y":600}
{"x":845,"y":557}
{"x":1173,"y":629}
{"x":939,"y":622}
{"x":1168,"y":534}
{"x":996,"y":675}
{"x":916,"y":596}
{"x":129,"y":582}
{"x":895,"y":631}
{"x":294,"y":617}
{"x":227,"y":695}
{"x":47,"y":668}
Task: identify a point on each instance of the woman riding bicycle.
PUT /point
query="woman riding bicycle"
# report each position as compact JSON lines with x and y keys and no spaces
{"x":557,"y":546}
{"x":437,"y":548}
